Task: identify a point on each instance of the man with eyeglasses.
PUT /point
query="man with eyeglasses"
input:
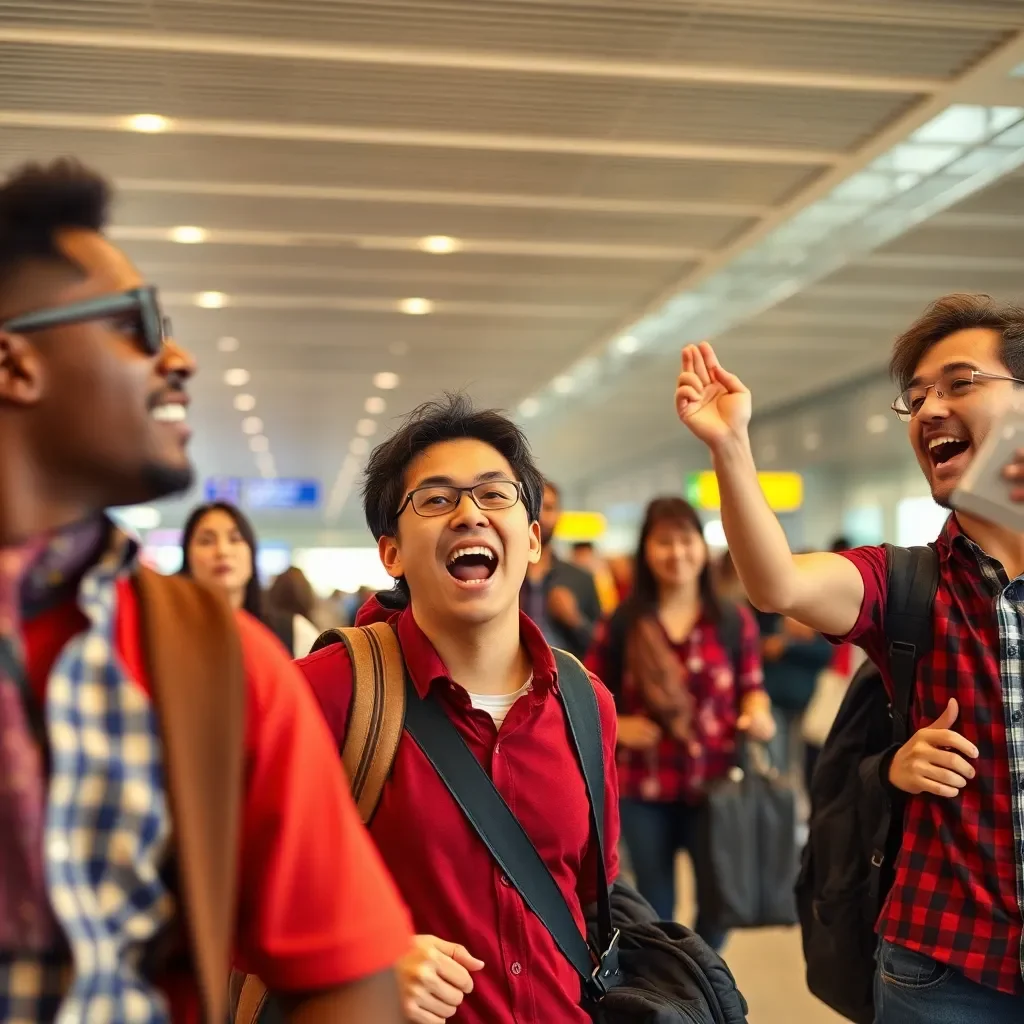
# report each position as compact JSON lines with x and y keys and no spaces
{"x":453,"y":498}
{"x":95,"y":915}
{"x":951,"y":930}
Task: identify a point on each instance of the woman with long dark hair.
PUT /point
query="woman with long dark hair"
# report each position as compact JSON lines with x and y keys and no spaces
{"x":290,"y":606}
{"x":219,"y":549}
{"x":685,"y":671}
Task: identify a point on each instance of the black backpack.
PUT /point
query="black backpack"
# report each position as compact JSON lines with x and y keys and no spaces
{"x":856,"y":826}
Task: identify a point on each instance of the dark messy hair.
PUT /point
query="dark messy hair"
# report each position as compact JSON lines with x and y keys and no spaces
{"x":253,"y":602}
{"x":37,"y":201}
{"x":446,"y":419}
{"x":959,"y":312}
{"x":643,"y":601}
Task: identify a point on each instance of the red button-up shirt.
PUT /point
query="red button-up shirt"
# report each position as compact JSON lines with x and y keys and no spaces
{"x":959,"y":890}
{"x":444,"y":871}
{"x":671,"y":771}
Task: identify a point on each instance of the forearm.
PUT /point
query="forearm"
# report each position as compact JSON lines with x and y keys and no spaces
{"x":372,"y":1000}
{"x":757,"y":542}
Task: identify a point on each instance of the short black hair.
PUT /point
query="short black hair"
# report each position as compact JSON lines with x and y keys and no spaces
{"x":960,"y":311}
{"x":37,"y":201}
{"x":446,"y":419}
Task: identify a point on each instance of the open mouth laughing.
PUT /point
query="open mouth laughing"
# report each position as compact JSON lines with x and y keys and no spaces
{"x":943,"y":449}
{"x":472,"y":565}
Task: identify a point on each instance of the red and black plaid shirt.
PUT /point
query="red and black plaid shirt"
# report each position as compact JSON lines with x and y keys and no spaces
{"x":959,"y":890}
{"x":670,"y":771}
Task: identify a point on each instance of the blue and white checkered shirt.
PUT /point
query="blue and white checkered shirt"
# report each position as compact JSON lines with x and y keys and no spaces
{"x":108,"y":831}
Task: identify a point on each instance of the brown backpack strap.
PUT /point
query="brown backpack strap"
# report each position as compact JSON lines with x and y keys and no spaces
{"x":194,"y":661}
{"x":251,"y":1001}
{"x":378,"y":709}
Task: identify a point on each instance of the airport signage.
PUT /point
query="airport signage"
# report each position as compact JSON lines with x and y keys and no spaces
{"x":783,"y":491}
{"x":261,"y":494}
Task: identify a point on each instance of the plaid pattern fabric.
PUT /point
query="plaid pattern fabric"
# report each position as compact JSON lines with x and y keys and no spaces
{"x":670,"y":771}
{"x":959,"y":890}
{"x":107,"y":832}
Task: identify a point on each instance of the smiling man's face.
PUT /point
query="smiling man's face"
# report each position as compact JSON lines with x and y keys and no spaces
{"x":465,"y":565}
{"x":947,"y":430}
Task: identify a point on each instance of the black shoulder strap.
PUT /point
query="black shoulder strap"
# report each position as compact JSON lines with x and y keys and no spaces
{"x":913,"y":578}
{"x":495,"y":824}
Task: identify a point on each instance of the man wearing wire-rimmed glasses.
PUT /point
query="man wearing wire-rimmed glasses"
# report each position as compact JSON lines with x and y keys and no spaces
{"x":951,"y":930}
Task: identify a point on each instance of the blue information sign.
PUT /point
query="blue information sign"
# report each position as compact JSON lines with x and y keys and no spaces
{"x":223,"y":488}
{"x":281,"y":493}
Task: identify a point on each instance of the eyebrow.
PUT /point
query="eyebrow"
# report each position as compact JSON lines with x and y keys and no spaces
{"x":447,"y":481}
{"x":948,"y":368}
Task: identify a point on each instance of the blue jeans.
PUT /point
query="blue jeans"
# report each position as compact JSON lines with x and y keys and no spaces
{"x":911,"y":988}
{"x":654,"y":833}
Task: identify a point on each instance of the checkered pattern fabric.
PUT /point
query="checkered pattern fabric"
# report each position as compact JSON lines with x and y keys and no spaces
{"x":107,"y":833}
{"x":959,"y":890}
{"x":670,"y":771}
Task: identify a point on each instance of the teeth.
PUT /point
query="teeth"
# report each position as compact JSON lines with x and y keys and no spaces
{"x":936,"y":441}
{"x":458,"y":553}
{"x":172,"y":412}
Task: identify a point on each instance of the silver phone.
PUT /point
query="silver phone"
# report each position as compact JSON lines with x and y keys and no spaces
{"x":983,"y":491}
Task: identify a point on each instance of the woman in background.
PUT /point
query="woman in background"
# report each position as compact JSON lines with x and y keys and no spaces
{"x":219,"y":550}
{"x":685,"y":672}
{"x":290,"y":607}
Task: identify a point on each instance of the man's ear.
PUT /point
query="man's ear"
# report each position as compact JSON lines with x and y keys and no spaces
{"x":21,"y":370}
{"x":535,"y":545}
{"x":391,"y":557}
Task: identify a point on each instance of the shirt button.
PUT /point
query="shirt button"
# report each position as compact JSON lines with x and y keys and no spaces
{"x":505,"y":880}
{"x":1017,"y":716}
{"x":1012,"y":650}
{"x":516,"y":968}
{"x":497,"y":748}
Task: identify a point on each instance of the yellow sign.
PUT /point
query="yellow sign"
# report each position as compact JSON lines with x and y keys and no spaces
{"x":784,"y":491}
{"x":576,"y":527}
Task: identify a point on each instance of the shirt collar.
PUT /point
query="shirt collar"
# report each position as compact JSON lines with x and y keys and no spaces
{"x":426,"y":667}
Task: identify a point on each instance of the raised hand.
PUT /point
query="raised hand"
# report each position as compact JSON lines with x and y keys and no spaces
{"x":712,"y":402}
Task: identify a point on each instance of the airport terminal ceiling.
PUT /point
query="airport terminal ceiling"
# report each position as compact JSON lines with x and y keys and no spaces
{"x":357,"y":205}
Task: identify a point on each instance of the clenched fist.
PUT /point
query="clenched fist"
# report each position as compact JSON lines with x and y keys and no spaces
{"x":434,"y":977}
{"x":712,"y":402}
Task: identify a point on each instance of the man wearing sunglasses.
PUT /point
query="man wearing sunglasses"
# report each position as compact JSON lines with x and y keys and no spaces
{"x":951,"y":930}
{"x":94,"y":414}
{"x":453,"y":498}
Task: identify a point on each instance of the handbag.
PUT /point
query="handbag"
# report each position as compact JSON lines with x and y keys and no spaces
{"x":746,"y":856}
{"x":633,"y":969}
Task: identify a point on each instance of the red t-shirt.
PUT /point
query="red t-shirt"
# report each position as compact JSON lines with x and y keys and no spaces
{"x":444,"y":871}
{"x":317,"y":908}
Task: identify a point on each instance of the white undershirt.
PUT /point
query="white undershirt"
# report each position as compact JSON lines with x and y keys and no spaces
{"x":497,"y":705}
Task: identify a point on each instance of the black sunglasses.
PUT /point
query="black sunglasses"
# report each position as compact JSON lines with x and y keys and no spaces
{"x":144,"y":302}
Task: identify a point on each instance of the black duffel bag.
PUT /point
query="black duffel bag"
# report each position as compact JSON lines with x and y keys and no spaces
{"x":634,"y":969}
{"x":746,"y":856}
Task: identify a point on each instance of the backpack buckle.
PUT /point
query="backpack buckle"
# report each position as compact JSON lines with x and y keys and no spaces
{"x":607,"y":974}
{"x":877,"y":859}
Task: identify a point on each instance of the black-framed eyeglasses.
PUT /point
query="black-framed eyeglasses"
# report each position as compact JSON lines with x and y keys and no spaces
{"x":954,"y":384}
{"x":440,"y":499}
{"x":141,"y":304}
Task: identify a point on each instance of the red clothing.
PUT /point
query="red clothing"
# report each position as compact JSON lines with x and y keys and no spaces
{"x":443,"y":869}
{"x":317,"y":908}
{"x":670,"y":771}
{"x":955,"y":897}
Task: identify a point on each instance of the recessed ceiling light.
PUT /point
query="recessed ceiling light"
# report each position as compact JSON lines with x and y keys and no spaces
{"x":386,"y":381}
{"x":149,"y":123}
{"x":627,"y":344}
{"x":877,"y":424}
{"x":529,"y":407}
{"x":227,"y":345}
{"x":236,"y":378}
{"x":563,"y":385}
{"x":259,"y":444}
{"x":416,"y":307}
{"x":812,"y":441}
{"x":188,"y":235}
{"x":252,"y":425}
{"x":245,"y":403}
{"x":366,"y":428}
{"x":440,"y":245}
{"x":375,"y":405}
{"x":359,"y":446}
{"x":211,"y":300}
